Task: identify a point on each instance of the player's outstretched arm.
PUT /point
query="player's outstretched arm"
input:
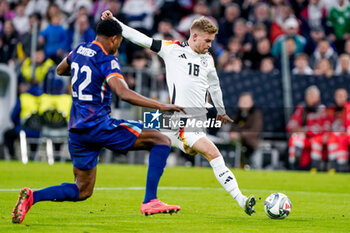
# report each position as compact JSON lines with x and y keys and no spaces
{"x":129,"y":33}
{"x":120,"y":87}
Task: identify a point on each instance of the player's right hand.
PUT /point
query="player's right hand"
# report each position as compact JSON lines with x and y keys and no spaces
{"x":106,"y":14}
{"x":172,"y":108}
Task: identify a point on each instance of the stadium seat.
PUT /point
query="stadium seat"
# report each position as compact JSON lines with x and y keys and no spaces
{"x":327,"y":87}
{"x":267,"y":93}
{"x":266,"y":156}
{"x":55,"y":110}
{"x":51,"y":124}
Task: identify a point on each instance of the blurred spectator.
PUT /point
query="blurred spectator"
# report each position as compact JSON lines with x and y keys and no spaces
{"x":247,"y":126}
{"x":316,"y":35}
{"x":307,"y":127}
{"x":220,"y":6}
{"x":82,"y":32}
{"x":8,"y":42}
{"x":338,"y":138}
{"x":42,"y":67}
{"x":323,"y":51}
{"x":267,"y":65}
{"x":329,"y":4}
{"x":240,"y":31}
{"x":258,"y":32}
{"x":261,"y":51}
{"x":278,"y":25}
{"x":261,"y":16}
{"x":26,"y":39}
{"x":6,"y":12}
{"x":139,"y":14}
{"x":301,"y":65}
{"x":52,"y":10}
{"x":298,"y":6}
{"x":247,"y":8}
{"x":82,"y":10}
{"x":199,"y":9}
{"x":343,"y":67}
{"x":276,"y":8}
{"x":21,"y":21}
{"x":172,"y":10}
{"x":115,"y":7}
{"x":139,"y":63}
{"x":291,"y":48}
{"x":232,"y":12}
{"x":54,"y":37}
{"x":339,"y":17}
{"x":35,"y":6}
{"x":233,"y":50}
{"x":98,"y":8}
{"x":291,"y":32}
{"x":72,"y":8}
{"x":25,"y":117}
{"x":347,"y":46}
{"x":315,"y":14}
{"x":165,"y":27}
{"x":324,"y":67}
{"x":233,"y":65}
{"x":291,"y":52}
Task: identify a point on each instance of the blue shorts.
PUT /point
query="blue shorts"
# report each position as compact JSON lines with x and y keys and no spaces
{"x":85,"y":145}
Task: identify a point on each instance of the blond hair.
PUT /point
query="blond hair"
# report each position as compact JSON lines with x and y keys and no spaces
{"x":205,"y":25}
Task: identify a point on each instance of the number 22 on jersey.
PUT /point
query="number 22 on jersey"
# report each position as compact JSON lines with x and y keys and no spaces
{"x":84,"y":69}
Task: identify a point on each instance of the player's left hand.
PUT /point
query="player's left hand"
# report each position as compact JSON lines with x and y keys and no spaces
{"x":224,"y":118}
{"x":106,"y":14}
{"x":172,"y":108}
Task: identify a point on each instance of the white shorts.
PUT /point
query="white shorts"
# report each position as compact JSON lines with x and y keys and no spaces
{"x":185,"y":135}
{"x":180,"y":137}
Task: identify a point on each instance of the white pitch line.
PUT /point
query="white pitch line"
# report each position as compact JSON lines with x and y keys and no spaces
{"x":202,"y":189}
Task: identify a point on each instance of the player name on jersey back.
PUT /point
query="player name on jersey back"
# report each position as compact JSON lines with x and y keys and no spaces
{"x":86,"y":51}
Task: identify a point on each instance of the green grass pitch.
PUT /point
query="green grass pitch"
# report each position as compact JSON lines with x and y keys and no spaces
{"x":320,"y":202}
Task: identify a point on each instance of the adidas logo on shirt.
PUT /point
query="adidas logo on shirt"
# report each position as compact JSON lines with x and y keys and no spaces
{"x":183,"y":56}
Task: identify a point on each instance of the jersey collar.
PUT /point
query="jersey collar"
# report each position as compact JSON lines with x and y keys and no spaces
{"x":100,"y":45}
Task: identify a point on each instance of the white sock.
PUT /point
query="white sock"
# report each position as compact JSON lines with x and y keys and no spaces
{"x":227,"y":180}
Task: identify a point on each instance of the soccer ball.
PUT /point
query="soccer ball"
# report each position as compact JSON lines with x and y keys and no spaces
{"x":277,"y":206}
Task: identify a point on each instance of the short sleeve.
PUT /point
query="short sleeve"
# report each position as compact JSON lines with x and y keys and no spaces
{"x":69,"y":57}
{"x":71,"y":54}
{"x":111,"y":68}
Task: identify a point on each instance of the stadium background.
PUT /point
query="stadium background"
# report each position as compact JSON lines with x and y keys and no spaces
{"x":247,"y":55}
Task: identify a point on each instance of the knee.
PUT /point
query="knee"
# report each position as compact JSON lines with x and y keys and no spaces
{"x":85,"y":191}
{"x":162,"y":140}
{"x":190,"y":151}
{"x":85,"y":194}
{"x":210,"y":155}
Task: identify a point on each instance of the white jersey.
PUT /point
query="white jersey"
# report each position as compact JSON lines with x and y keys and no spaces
{"x":190,"y":76}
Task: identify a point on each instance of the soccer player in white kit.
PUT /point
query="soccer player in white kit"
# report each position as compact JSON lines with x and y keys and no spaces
{"x":190,"y":74}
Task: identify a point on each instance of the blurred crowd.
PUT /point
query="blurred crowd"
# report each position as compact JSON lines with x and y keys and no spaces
{"x":251,"y":32}
{"x":316,"y":34}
